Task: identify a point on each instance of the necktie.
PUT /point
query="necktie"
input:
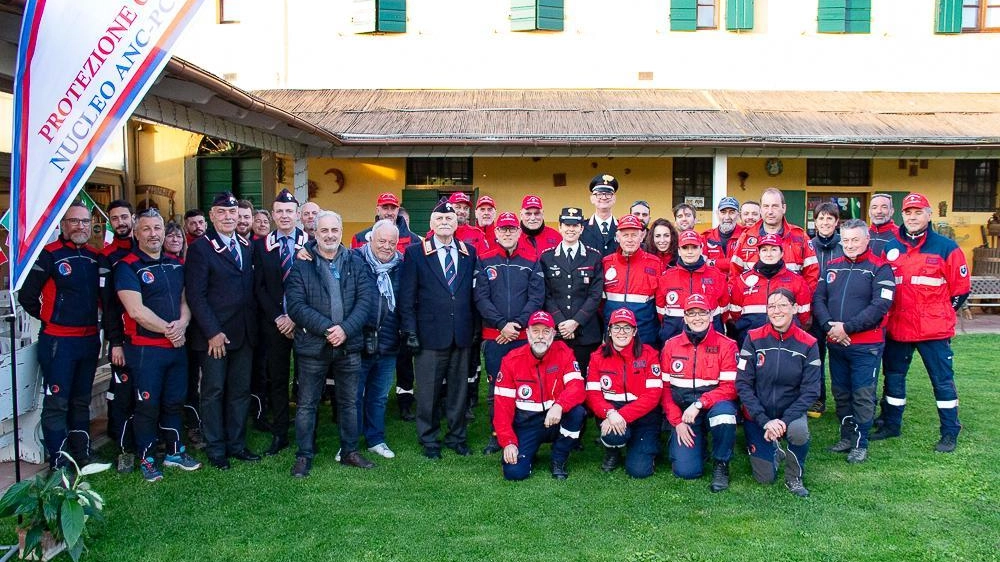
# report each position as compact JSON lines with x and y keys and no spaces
{"x":604,"y":230}
{"x":569,"y":254}
{"x":450,"y":273}
{"x":235,"y":252}
{"x":286,"y":257}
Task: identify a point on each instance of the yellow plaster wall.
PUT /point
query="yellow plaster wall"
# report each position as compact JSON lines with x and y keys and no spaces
{"x":161,"y":152}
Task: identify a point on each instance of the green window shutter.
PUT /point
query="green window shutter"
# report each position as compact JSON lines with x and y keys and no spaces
{"x":550,"y":15}
{"x":390,"y":16}
{"x":949,"y":16}
{"x":532,"y":15}
{"x":739,"y":15}
{"x":419,"y":203}
{"x":832,"y":16}
{"x":683,"y":15}
{"x":859,"y":16}
{"x":795,"y":206}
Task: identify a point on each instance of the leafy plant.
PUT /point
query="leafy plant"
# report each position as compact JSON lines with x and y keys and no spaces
{"x":60,"y":503}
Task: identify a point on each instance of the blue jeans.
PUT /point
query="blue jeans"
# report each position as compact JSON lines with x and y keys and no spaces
{"x":853,"y":375}
{"x":312,"y":381}
{"x":374,"y":384}
{"x":937,"y":358}
{"x":720,"y":422}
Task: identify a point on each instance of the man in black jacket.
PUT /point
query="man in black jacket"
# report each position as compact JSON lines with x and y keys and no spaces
{"x":219,"y":282}
{"x":329,"y":298}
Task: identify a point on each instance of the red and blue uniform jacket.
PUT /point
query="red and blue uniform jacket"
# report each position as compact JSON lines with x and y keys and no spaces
{"x":507,"y":287}
{"x":748,"y":298}
{"x":544,"y":240}
{"x":799,"y":255}
{"x":881,"y":235}
{"x":632,"y":385}
{"x":718,"y":250}
{"x":113,"y":310}
{"x":858,"y":293}
{"x":527,"y":385}
{"x":633,"y":282}
{"x":64,"y":288}
{"x":777,"y":374}
{"x":706,"y":372}
{"x":679,"y":282}
{"x":161,"y":284}
{"x":932,"y":281}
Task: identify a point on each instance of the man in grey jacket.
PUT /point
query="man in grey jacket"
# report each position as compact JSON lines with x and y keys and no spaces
{"x":329,"y":298}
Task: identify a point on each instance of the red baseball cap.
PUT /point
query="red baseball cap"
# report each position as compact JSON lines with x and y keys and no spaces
{"x":543,"y":318}
{"x":695,"y":300}
{"x":387,"y":199}
{"x":531,"y":202}
{"x":459,"y":197}
{"x":486,"y":200}
{"x":629,"y":221}
{"x":916,"y":201}
{"x":688,"y":238}
{"x":507,"y":219}
{"x":770,"y":240}
{"x":623,"y":315}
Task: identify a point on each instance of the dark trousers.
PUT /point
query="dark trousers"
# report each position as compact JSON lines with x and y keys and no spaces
{"x":493,"y":354}
{"x":193,"y":402}
{"x":434,"y":368}
{"x":764,"y":454}
{"x":404,"y":378}
{"x":279,"y":358}
{"x":346,"y":368}
{"x":719,"y":422}
{"x":68,"y":364}
{"x":642,"y":443}
{"x":853,"y":376}
{"x":225,"y":399}
{"x":817,"y":332}
{"x":259,"y":383}
{"x":160,"y":390}
{"x":937,"y":358}
{"x":531,"y":433}
{"x":121,"y":406}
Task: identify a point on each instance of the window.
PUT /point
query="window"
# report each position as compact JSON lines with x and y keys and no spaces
{"x":839,"y":171}
{"x":379,"y":16}
{"x":533,"y":15}
{"x":980,"y":15}
{"x":229,"y":11}
{"x":844,"y":16}
{"x":693,"y":178}
{"x":439,"y":171}
{"x":706,"y":14}
{"x":975,"y":185}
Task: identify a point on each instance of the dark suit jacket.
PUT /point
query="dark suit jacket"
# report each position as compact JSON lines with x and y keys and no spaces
{"x":573,"y":290}
{"x":219,"y":293}
{"x":427,"y":307}
{"x":267,"y":275}
{"x":592,"y":237}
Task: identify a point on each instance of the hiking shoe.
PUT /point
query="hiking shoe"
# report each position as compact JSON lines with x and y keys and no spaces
{"x":126,"y":463}
{"x":817,"y":409}
{"x":195,"y":438}
{"x":612,"y":458}
{"x":559,"y":471}
{"x":946,"y":444}
{"x":181,"y":460}
{"x":149,"y":471}
{"x":796,"y":487}
{"x":492,"y":447}
{"x":842,"y":446}
{"x":337,"y":456}
{"x":382,"y":450}
{"x":301,"y":467}
{"x":857,"y":455}
{"x":884,"y":432}
{"x":720,"y":477}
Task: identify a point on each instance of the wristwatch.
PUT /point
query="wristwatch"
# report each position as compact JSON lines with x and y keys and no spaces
{"x":698,"y":404}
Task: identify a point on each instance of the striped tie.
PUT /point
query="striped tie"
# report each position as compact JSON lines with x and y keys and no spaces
{"x":235,"y":252}
{"x":450,"y":273}
{"x":286,"y":258}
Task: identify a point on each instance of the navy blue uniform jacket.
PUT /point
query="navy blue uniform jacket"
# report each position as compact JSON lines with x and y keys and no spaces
{"x":219,"y":294}
{"x":427,"y":307}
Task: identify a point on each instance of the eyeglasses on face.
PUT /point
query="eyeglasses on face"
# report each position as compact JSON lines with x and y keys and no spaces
{"x":697,"y":313}
{"x":622,"y":329}
{"x":78,"y":222}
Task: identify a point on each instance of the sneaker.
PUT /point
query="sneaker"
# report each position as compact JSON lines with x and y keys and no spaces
{"x":884,"y":432}
{"x":382,"y":450}
{"x":181,"y":460}
{"x":842,"y":446}
{"x":946,"y":444}
{"x":301,"y":467}
{"x":337,"y":456}
{"x":720,"y":477}
{"x":126,"y":463}
{"x":149,"y":471}
{"x":796,"y":487}
{"x":857,"y":455}
{"x":817,"y":409}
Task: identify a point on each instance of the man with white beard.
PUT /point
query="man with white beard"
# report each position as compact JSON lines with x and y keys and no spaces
{"x":720,"y":242}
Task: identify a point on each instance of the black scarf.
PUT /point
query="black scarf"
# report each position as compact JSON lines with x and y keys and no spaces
{"x":696,"y":337}
{"x":769,"y":271}
{"x":692,"y":266}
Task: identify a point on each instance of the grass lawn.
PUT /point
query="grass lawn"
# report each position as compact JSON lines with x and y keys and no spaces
{"x":906,"y":503}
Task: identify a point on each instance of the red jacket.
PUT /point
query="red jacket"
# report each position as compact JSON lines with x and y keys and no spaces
{"x":748,"y":297}
{"x":799,"y":255}
{"x":623,"y":378}
{"x":633,"y":282}
{"x":705,"y":372}
{"x":716,"y":253}
{"x":678,"y":283}
{"x":531,"y":385}
{"x":547,"y":238}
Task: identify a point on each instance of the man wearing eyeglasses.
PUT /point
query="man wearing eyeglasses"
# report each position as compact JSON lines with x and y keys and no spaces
{"x":600,"y":230}
{"x":62,"y":290}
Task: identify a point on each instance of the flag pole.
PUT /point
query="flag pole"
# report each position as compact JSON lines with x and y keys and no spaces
{"x":12,"y":319}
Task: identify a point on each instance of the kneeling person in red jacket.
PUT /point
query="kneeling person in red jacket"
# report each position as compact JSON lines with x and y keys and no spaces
{"x":538,"y":398}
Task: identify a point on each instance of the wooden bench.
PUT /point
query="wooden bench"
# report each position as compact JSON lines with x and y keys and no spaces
{"x":985,"y":292}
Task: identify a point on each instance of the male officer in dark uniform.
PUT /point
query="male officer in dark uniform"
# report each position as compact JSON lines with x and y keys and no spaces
{"x":273,"y":256}
{"x":600,"y":231}
{"x":219,"y":283}
{"x":574,"y":281}
{"x":62,"y":291}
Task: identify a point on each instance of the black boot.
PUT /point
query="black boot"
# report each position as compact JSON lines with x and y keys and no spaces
{"x":559,"y":470}
{"x":720,"y":477}
{"x":492,"y":447}
{"x":612,"y":458}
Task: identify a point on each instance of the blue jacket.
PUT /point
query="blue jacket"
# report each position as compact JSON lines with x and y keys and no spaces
{"x":220,"y":293}
{"x":63,"y":288}
{"x":827,"y":250}
{"x":381,"y":318}
{"x":858,"y":293}
{"x":508,"y":288}
{"x":777,"y":375}
{"x":427,"y":307}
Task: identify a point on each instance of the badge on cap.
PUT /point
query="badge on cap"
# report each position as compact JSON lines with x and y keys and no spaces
{"x":531,"y":202}
{"x":224,"y":199}
{"x":571,"y":215}
{"x":286,"y":196}
{"x":603,"y":183}
{"x":443,"y":206}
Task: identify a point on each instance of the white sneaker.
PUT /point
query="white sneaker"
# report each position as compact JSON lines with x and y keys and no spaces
{"x":382,"y":450}
{"x":337,"y":456}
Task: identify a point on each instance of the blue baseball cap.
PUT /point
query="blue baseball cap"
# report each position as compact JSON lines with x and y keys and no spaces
{"x":729,"y":203}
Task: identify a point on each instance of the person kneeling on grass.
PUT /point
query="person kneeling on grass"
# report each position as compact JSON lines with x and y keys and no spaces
{"x":623,"y":391}
{"x":538,"y":398}
{"x":777,"y":379}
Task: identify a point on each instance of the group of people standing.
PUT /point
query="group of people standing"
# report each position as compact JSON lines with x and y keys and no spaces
{"x":642,"y":324}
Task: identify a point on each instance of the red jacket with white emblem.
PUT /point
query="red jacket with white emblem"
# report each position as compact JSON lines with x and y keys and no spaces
{"x":798,"y":254}
{"x":679,"y":282}
{"x":717,"y":252}
{"x":633,"y":282}
{"x":748,"y":297}
{"x":528,"y":384}
{"x":705,"y":372}
{"x":624,"y":378}
{"x":544,"y":240}
{"x":932,"y":279}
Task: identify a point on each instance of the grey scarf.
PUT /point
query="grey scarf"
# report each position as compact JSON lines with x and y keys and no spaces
{"x":382,"y":271}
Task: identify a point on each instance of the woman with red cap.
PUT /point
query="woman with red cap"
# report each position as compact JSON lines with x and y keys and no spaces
{"x":623,"y":391}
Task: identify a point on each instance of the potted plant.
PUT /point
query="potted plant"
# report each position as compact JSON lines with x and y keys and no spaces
{"x":53,"y":511}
